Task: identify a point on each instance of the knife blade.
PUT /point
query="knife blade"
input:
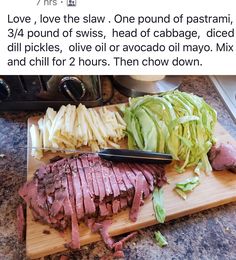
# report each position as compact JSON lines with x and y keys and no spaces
{"x":121,"y":155}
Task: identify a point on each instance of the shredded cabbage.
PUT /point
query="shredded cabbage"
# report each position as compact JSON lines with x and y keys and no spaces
{"x":174,"y":122}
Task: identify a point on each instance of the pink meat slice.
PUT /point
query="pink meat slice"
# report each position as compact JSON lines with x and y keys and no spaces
{"x":147,"y":174}
{"x":145,"y":184}
{"x":79,"y":205}
{"x":133,"y":214}
{"x":130,"y":174}
{"x":115,"y":205}
{"x":103,"y":209}
{"x":20,"y":222}
{"x":105,"y":175}
{"x":123,"y":203}
{"x":119,"y":178}
{"x":89,"y":205}
{"x":118,"y":246}
{"x":93,"y":159}
{"x":114,"y":184}
{"x":75,"y":242}
{"x":102,"y":227}
{"x":67,"y":205}
{"x":100,"y":182}
{"x":88,"y":173}
{"x":57,"y":203}
{"x":127,"y":182}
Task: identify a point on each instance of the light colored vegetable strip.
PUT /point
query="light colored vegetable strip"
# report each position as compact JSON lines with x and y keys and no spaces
{"x":158,"y":205}
{"x":161,"y":240}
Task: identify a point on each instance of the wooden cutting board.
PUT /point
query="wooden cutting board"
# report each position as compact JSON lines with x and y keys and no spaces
{"x":216,"y":189}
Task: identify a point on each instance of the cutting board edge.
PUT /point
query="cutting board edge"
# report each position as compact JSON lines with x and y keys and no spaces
{"x":153,"y":222}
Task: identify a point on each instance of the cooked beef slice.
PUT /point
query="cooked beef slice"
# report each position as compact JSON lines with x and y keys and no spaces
{"x":105,"y":174}
{"x":20,"y":222}
{"x":75,"y":242}
{"x":100,"y":182}
{"x":119,"y":178}
{"x":137,"y":198}
{"x":88,"y":188}
{"x":123,"y":203}
{"x":145,"y":184}
{"x":102,"y":227}
{"x":114,"y":184}
{"x":103,"y":209}
{"x":93,"y":159}
{"x":89,"y":205}
{"x":118,"y":246}
{"x":115,"y":206}
{"x":79,"y":204}
{"x":123,"y":169}
{"x":87,"y":170}
{"x":223,"y":157}
{"x":149,"y":177}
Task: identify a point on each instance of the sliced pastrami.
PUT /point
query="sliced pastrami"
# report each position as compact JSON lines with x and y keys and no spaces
{"x":113,"y":182}
{"x":102,"y":227}
{"x":119,"y":179}
{"x":57,"y":203}
{"x":122,"y":167}
{"x":118,"y":246}
{"x":115,"y":206}
{"x":145,"y":184}
{"x":42,"y":199}
{"x":41,"y":172}
{"x":133,"y":214}
{"x":149,"y":177}
{"x":79,"y":205}
{"x":75,"y":242}
{"x":20,"y":222}
{"x":100,"y":182}
{"x":130,"y":174}
{"x":105,"y":175}
{"x":89,"y":205}
{"x":159,"y":174}
{"x":123,"y":203}
{"x":74,"y":189}
{"x":103,"y":209}
{"x":88,"y":173}
{"x":67,"y":205}
{"x":92,"y":161}
{"x":109,"y":208}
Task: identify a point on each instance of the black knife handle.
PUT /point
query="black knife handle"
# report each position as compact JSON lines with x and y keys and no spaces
{"x":138,"y":156}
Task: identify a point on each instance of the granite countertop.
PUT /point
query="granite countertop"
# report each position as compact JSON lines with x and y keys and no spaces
{"x":206,"y":235}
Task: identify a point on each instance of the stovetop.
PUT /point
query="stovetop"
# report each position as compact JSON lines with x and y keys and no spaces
{"x":39,"y":92}
{"x":226,"y":87}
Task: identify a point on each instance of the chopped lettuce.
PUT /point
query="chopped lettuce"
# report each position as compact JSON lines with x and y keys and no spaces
{"x":158,"y":205}
{"x":161,"y":240}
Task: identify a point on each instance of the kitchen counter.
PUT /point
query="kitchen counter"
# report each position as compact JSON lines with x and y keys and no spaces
{"x":207,"y":235}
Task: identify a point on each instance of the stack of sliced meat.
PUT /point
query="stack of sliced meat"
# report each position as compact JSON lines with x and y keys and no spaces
{"x":87,"y":188}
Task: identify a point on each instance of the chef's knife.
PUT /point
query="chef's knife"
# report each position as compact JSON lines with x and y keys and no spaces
{"x":122,"y":155}
{"x":125,"y":155}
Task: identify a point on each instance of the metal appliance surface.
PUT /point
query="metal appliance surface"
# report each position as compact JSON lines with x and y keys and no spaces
{"x":39,"y":92}
{"x":226,"y":87}
{"x":131,"y":87}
